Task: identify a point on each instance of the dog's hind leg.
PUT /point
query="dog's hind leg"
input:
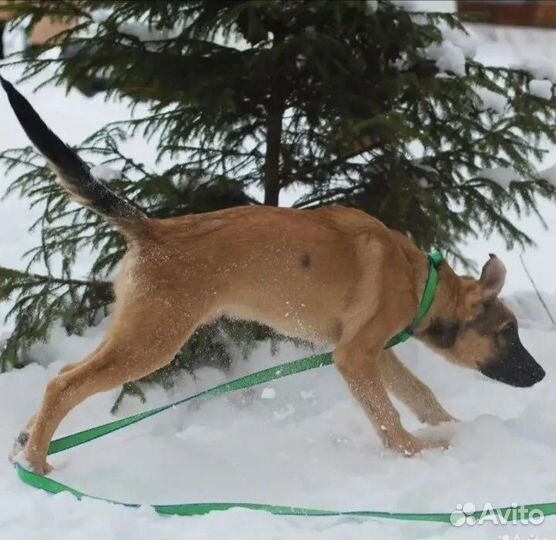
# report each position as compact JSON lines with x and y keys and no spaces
{"x":143,"y":338}
{"x":21,"y":440}
{"x":411,"y":391}
{"x":358,"y":362}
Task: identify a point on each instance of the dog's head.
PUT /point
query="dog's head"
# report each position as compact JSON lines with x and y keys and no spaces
{"x":482,"y":332}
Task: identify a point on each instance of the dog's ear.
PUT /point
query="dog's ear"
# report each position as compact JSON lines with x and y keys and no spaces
{"x":493,"y":276}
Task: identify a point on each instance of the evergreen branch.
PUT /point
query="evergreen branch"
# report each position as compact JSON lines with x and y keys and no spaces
{"x":10,"y":274}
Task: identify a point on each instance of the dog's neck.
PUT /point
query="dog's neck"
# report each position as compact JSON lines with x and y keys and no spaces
{"x":417,"y":266}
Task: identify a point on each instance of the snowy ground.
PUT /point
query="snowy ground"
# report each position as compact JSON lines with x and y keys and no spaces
{"x":310,"y":445}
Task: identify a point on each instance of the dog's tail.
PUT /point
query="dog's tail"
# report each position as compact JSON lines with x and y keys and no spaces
{"x":73,"y":173}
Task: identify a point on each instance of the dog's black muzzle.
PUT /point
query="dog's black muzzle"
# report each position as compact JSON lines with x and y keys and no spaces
{"x":517,"y":368}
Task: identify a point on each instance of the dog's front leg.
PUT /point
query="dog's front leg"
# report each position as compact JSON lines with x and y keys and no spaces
{"x":411,"y":391}
{"x":357,"y":361}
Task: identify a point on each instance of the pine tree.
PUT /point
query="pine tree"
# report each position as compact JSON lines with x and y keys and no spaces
{"x":354,"y":103}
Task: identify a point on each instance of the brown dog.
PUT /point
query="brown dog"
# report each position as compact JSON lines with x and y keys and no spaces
{"x":333,"y":275}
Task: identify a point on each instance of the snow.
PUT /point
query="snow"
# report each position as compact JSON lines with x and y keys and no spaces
{"x":105,"y":173}
{"x":467,"y":42}
{"x":448,"y":57}
{"x":541,"y":89}
{"x":531,"y":49}
{"x":451,"y":53}
{"x":541,"y":67}
{"x":320,"y":453}
{"x":309,"y":445}
{"x":503,"y":176}
{"x":268,"y":393}
{"x":549,"y":175}
{"x":448,"y":6}
{"x":526,"y":305}
{"x":371,"y":5}
{"x":491,"y":100}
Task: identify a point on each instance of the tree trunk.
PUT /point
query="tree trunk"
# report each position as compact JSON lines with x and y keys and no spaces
{"x":272,"y":157}
{"x":2,"y":26}
{"x":275,"y":108}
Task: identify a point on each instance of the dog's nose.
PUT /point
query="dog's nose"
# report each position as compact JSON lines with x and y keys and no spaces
{"x":530,"y":373}
{"x":539,"y":373}
{"x":520,"y":370}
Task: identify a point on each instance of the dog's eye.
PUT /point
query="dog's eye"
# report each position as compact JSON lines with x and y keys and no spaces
{"x":508,"y":331}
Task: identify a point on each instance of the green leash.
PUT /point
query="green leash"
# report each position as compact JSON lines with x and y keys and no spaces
{"x":260,"y":377}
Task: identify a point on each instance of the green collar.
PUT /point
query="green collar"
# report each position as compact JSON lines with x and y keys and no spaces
{"x":435,"y":260}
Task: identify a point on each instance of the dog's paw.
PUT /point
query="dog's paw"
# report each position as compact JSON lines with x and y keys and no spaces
{"x":442,"y":444}
{"x":36,"y":464}
{"x":411,"y":445}
{"x":41,"y":467}
{"x":19,"y":445}
{"x":437,"y":418}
